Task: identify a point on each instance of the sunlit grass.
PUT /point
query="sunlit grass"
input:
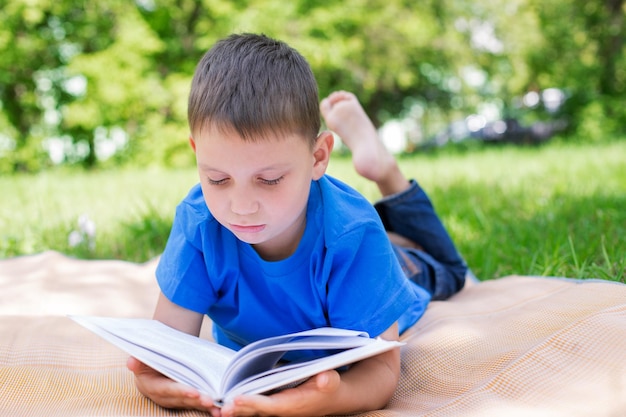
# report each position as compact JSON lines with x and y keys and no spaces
{"x":130,"y":208}
{"x":555,"y":210}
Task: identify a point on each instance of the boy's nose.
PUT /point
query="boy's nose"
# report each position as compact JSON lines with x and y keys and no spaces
{"x":243,"y":203}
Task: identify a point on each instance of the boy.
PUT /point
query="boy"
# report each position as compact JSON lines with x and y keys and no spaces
{"x":268,"y":244}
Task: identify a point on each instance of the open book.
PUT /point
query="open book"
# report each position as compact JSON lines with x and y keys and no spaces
{"x":223,"y":373}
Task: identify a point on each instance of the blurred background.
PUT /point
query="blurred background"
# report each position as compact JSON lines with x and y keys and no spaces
{"x":105,"y":82}
{"x":510,"y":112}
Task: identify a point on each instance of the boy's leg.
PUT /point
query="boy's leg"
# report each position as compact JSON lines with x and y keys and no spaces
{"x":422,"y":244}
{"x":345,"y":116}
{"x":435,"y":265}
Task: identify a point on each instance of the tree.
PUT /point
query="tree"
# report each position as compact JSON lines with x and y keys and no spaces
{"x":122,"y":86}
{"x":87,"y":75}
{"x":37,"y":41}
{"x":583,"y":52}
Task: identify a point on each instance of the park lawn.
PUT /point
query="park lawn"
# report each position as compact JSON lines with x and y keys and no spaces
{"x":555,"y":210}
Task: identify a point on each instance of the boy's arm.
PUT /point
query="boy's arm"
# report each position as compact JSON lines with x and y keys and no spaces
{"x":367,"y":385}
{"x":159,"y":388}
{"x":177,"y":317}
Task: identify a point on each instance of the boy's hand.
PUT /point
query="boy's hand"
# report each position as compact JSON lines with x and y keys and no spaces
{"x":166,"y":392}
{"x":308,"y":399}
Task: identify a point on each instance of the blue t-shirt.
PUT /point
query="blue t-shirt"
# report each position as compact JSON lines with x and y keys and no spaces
{"x":343,"y":274}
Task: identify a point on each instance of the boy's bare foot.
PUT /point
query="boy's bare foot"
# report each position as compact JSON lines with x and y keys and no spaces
{"x":345,"y":116}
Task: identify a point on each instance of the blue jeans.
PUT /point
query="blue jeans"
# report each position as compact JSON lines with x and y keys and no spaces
{"x":438,"y":267}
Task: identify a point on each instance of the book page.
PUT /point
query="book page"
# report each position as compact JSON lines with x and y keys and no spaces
{"x":285,"y":375}
{"x":187,"y":359}
{"x":263,"y":355}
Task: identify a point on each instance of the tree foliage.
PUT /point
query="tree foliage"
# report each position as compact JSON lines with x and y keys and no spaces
{"x":106,"y":82}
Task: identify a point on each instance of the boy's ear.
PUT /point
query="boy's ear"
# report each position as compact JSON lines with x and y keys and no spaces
{"x":192,"y":143}
{"x":321,"y":153}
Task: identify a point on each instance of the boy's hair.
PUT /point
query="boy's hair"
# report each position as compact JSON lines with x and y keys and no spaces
{"x":257,"y":86}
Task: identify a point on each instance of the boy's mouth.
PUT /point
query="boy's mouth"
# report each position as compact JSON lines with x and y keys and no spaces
{"x":237,"y":228}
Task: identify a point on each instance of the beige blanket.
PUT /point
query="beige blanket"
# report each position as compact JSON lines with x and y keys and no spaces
{"x":516,"y":346}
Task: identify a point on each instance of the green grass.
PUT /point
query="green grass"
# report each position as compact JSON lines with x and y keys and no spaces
{"x":554,"y":210}
{"x":132,"y":211}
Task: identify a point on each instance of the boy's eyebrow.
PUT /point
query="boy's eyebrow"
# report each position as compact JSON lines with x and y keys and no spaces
{"x":280,"y":166}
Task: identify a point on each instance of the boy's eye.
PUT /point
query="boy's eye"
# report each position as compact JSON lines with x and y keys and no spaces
{"x":272,"y":181}
{"x":217,"y":182}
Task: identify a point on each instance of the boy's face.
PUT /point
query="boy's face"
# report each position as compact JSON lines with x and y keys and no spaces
{"x":259,"y":189}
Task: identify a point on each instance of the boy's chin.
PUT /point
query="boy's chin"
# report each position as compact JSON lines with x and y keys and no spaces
{"x":251,"y":240}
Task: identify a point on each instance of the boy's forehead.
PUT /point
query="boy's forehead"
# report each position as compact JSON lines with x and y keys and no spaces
{"x":226,"y":130}
{"x":231,"y":153}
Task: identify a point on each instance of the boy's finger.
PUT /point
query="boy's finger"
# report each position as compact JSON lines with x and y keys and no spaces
{"x":327,"y":381}
{"x":249,"y":405}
